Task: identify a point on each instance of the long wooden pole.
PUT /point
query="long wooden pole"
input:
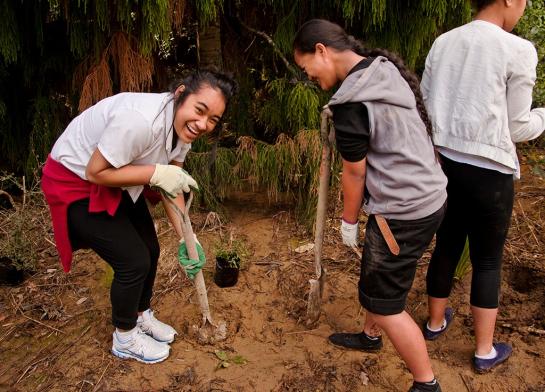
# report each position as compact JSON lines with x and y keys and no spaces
{"x":200,"y":286}
{"x":317,"y":284}
{"x":209,"y":332}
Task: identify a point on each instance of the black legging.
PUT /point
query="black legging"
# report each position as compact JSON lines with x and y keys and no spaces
{"x":126,"y":241}
{"x":479,"y":206}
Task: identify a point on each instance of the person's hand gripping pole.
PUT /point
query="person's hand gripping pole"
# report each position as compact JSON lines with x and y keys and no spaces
{"x":193,"y":255}
{"x":172,"y":180}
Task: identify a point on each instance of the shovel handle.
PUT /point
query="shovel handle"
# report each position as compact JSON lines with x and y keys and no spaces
{"x":185,"y":224}
{"x":190,"y":242}
{"x":323,"y":189}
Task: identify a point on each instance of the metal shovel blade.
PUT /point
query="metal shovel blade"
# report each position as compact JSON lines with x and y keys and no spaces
{"x":315,"y":299}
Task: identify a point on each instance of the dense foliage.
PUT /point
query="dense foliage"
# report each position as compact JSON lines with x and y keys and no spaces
{"x":532,"y":27}
{"x":59,"y":57}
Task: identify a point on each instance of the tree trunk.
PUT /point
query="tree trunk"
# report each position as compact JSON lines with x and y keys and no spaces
{"x":210,"y":55}
{"x":210,"y":46}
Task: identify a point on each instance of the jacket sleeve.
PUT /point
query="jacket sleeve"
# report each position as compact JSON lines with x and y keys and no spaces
{"x":426,"y":79}
{"x":352,"y":130}
{"x":524,"y":123}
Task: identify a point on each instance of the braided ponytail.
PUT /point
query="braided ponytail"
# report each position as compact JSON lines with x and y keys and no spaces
{"x":406,"y":73}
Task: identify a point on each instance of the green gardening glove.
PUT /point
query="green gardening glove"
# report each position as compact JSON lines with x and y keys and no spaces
{"x":190,"y":266}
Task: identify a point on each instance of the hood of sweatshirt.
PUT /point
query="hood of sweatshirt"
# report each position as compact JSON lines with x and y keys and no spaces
{"x":381,"y":82}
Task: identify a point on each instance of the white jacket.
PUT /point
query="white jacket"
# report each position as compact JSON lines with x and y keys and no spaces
{"x":477,"y":86}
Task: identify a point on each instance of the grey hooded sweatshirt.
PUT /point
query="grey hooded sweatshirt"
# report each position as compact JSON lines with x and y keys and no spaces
{"x":404,"y":179}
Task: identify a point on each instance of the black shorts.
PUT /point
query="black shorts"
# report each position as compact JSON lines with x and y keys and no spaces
{"x":385,"y":279}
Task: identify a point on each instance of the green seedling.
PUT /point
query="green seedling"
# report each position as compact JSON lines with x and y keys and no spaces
{"x":225,"y":360}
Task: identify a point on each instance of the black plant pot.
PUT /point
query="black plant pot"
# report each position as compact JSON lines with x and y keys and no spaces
{"x":9,"y":275}
{"x":226,"y":274}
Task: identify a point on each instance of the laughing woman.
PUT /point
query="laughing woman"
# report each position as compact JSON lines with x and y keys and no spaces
{"x":94,"y":182}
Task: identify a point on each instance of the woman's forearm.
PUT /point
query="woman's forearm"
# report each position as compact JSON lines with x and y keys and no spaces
{"x":100,"y":171}
{"x":353,"y":183}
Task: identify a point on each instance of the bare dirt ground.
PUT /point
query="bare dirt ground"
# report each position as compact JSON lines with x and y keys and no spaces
{"x":55,"y":331}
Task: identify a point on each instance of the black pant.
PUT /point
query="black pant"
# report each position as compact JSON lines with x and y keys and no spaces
{"x":126,"y":241}
{"x":479,"y":206}
{"x":385,"y":279}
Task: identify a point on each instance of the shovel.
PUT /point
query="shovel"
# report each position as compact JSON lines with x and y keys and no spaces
{"x":209,"y":332}
{"x":317,"y":284}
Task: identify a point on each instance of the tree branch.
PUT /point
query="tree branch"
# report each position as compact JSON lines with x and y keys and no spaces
{"x":275,"y":48}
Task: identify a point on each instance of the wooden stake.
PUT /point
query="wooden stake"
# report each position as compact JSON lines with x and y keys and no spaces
{"x":317,"y":284}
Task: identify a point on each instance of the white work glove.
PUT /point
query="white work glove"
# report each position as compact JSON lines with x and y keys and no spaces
{"x":349,"y":232}
{"x":172,"y":179}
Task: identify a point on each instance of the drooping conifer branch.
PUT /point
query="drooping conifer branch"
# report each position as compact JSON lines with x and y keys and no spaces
{"x":96,"y":86}
{"x":271,"y":42}
{"x":177,"y":11}
{"x":134,"y":72}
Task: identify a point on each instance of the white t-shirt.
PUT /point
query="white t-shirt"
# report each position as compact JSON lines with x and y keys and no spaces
{"x":127,"y":128}
{"x":477,"y":87}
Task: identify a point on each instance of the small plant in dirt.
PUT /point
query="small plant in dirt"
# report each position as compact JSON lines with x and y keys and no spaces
{"x":464,"y":263}
{"x":536,"y":160}
{"x":230,"y":256}
{"x":226,"y":360}
{"x":233,"y":252}
{"x":22,"y":226}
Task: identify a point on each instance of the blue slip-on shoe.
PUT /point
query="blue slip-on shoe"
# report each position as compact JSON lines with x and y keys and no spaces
{"x":432,"y":335}
{"x":503,"y":351}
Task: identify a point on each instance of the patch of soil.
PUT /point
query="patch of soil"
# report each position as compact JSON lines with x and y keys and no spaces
{"x":525,"y":279}
{"x":9,"y":275}
{"x":55,"y":330}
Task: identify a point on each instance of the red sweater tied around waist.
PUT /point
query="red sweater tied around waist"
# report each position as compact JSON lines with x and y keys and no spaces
{"x":62,"y":187}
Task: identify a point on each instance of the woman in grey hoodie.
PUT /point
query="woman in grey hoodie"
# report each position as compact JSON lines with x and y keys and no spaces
{"x":389,"y":165}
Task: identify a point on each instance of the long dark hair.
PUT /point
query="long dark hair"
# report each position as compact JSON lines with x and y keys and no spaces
{"x":197,"y":80}
{"x":330,"y":34}
{"x":480,"y":4}
{"x":203,"y":78}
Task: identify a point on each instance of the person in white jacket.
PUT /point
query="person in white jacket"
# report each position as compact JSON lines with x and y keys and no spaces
{"x":477,"y":87}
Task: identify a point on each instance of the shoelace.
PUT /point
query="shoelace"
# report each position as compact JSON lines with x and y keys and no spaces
{"x":147,"y":325}
{"x":138,"y":343}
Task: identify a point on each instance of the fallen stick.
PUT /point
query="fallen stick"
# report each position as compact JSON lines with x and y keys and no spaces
{"x":101,"y":376}
{"x":356,"y":251}
{"x":39,"y":322}
{"x":467,"y":383}
{"x":525,"y":330}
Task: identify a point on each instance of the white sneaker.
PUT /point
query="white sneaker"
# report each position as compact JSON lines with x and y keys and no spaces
{"x":156,"y":329}
{"x":139,"y":346}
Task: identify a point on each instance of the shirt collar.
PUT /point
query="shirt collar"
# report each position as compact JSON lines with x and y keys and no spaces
{"x":168,"y":124}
